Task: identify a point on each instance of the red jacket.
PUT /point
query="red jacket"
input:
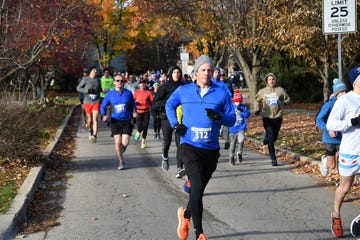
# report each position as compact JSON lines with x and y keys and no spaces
{"x":143,"y":100}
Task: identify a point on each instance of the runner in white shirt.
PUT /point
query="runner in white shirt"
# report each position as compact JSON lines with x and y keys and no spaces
{"x":345,"y":117}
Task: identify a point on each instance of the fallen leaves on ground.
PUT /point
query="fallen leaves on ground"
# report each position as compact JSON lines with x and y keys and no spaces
{"x":43,"y":212}
{"x":298,"y":135}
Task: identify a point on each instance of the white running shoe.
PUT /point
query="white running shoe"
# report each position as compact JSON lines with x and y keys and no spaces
{"x":180,"y":173}
{"x":121,"y":166}
{"x":93,"y":139}
{"x":324,"y":170}
{"x":165,"y":165}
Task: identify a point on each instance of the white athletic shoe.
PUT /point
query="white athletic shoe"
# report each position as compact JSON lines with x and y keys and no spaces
{"x":324,"y":170}
{"x":121,"y":166}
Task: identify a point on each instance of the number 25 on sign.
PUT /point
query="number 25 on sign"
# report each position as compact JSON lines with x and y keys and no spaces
{"x":339,"y":16}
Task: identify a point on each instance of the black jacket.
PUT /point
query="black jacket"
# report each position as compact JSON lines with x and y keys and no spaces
{"x":163,"y":94}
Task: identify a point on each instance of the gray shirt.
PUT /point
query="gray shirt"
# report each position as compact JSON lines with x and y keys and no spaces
{"x":90,"y":83}
{"x":131,"y":86}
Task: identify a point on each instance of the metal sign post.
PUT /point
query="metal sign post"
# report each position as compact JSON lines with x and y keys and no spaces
{"x":339,"y":57}
{"x":339,"y":16}
{"x":184,"y":57}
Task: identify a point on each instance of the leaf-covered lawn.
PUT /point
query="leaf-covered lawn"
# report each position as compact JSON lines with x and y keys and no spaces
{"x":299,"y":135}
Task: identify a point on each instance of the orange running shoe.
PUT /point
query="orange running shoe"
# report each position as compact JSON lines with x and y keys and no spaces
{"x":336,"y":227}
{"x":202,"y":237}
{"x":184,"y":224}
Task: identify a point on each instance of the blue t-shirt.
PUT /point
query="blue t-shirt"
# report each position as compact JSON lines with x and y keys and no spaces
{"x":122,"y":104}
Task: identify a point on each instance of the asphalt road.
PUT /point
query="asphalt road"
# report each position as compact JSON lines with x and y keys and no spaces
{"x":249,"y":201}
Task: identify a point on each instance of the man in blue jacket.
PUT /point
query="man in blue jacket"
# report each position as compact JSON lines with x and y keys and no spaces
{"x":205,"y":107}
{"x":123,"y":108}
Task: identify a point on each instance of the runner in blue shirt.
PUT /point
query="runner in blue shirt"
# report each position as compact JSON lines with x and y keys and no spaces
{"x":205,"y":107}
{"x":123,"y":107}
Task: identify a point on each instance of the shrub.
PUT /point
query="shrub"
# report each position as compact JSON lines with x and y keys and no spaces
{"x":23,"y":130}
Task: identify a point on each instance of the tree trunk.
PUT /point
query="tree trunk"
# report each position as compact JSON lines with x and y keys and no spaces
{"x":326,"y":82}
{"x":251,"y":74}
{"x":324,"y":73}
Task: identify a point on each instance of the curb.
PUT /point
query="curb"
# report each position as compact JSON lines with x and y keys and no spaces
{"x":9,"y":222}
{"x":295,"y":156}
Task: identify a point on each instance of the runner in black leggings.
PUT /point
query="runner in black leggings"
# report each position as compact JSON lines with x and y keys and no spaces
{"x":205,"y":107}
{"x":161,"y":96}
{"x":269,"y":102}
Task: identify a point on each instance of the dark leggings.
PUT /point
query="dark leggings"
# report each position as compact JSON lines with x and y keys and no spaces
{"x":167,"y":134}
{"x":179,"y":162}
{"x":199,"y":166}
{"x":195,"y":205}
{"x":142,"y":122}
{"x":272,"y":127}
{"x":156,"y":121}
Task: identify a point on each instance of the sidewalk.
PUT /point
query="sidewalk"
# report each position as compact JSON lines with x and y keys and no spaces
{"x":252,"y":200}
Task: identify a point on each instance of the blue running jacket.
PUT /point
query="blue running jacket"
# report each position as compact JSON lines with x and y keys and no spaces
{"x":201,"y":132}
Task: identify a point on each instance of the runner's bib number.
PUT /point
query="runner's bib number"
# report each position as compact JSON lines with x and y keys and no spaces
{"x":93,"y":97}
{"x":201,"y":135}
{"x":272,"y":101}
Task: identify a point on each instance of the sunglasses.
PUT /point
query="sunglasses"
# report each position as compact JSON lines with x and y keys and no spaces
{"x":119,"y":81}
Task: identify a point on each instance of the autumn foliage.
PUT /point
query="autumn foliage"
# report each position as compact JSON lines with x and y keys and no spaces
{"x":37,"y":35}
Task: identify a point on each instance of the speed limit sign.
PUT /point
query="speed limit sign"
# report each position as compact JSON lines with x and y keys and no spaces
{"x":339,"y":16}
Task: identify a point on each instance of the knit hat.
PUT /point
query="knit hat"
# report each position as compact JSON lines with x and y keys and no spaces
{"x":156,"y":84}
{"x":203,"y":59}
{"x":237,"y":96}
{"x":338,"y":86}
{"x":354,"y":73}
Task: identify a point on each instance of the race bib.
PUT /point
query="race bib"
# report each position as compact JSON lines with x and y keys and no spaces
{"x":93,"y":97}
{"x":118,"y":108}
{"x":272,"y":100}
{"x":201,"y":135}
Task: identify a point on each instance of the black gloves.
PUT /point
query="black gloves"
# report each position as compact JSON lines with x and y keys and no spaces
{"x":212,"y":115}
{"x":355,"y":121}
{"x":180,"y":129}
{"x":257,"y":113}
{"x":91,"y":90}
